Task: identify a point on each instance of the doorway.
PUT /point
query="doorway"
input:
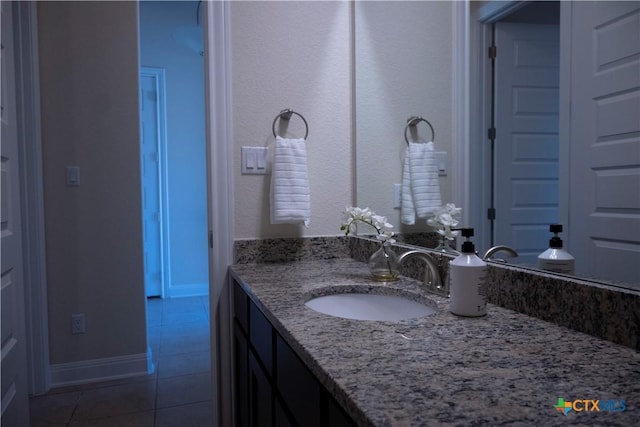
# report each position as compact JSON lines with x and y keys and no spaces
{"x":522,"y":117}
{"x":173,"y":149}
{"x":173,"y":169}
{"x":37,"y":299}
{"x":526,"y":122}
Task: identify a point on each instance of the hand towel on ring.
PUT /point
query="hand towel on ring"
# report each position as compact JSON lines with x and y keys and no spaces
{"x":290,"y":196}
{"x":420,"y":182}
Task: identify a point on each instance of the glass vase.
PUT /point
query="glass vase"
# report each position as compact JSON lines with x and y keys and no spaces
{"x":383,"y":264}
{"x":442,"y":261}
{"x":445,"y":247}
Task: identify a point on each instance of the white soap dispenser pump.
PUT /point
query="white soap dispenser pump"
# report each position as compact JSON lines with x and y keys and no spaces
{"x":467,"y":274}
{"x":555,"y":258}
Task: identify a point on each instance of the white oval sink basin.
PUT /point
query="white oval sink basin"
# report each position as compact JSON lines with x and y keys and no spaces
{"x":369,"y":307}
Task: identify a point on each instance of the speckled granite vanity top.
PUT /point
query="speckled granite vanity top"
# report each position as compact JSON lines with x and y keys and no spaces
{"x":506,"y":368}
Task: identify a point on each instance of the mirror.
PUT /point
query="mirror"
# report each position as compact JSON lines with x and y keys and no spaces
{"x":406,"y":70}
{"x":401,"y":72}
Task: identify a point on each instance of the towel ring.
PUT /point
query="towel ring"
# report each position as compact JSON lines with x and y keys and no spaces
{"x":286,"y":115}
{"x":414,"y":121}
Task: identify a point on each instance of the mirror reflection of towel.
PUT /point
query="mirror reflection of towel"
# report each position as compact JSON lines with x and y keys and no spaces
{"x":290,"y":196}
{"x":420,"y":182}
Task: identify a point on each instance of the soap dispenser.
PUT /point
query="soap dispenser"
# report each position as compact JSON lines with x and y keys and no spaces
{"x":555,"y":258}
{"x":467,"y":274}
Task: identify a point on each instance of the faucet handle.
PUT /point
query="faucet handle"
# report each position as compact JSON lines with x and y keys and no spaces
{"x":500,"y":248}
{"x":432,"y":276}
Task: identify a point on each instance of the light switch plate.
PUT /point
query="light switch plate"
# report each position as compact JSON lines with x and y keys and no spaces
{"x":397,"y":196}
{"x":254,"y":160}
{"x":441,"y":157}
{"x":73,"y":176}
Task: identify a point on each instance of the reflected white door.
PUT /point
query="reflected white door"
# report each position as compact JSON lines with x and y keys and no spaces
{"x":604,"y":188}
{"x":526,"y":146}
{"x":15,"y":403}
{"x":151,"y":122}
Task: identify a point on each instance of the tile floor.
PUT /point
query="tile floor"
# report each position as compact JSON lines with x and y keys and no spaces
{"x":177,"y":394}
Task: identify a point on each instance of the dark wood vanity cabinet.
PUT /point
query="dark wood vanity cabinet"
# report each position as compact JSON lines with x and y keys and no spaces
{"x":260,"y":393}
{"x":241,"y":375}
{"x":273,"y":387}
{"x":297,"y":386}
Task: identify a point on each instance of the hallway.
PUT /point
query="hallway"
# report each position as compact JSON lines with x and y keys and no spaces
{"x":177,"y":394}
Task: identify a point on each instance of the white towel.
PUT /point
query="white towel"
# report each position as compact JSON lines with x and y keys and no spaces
{"x":290,"y":196}
{"x":420,"y":183}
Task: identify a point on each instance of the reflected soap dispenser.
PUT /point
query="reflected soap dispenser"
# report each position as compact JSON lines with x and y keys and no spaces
{"x":467,"y":275}
{"x":555,"y":258}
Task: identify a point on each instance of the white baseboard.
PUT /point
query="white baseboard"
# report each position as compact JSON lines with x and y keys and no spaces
{"x":96,"y":370}
{"x":189,"y":290}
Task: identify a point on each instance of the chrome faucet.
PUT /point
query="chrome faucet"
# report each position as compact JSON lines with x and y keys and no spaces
{"x":500,"y":248}
{"x":432,"y":276}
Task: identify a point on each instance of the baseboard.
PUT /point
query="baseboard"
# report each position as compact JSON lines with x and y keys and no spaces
{"x":189,"y":290}
{"x":97,"y":370}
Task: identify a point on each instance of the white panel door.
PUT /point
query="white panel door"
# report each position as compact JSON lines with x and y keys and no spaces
{"x":150,"y":122}
{"x":604,"y":205}
{"x":15,"y":412}
{"x":526,"y":146}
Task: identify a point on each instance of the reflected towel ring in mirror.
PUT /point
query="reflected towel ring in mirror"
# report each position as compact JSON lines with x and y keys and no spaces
{"x":413,"y":121}
{"x":286,"y":115}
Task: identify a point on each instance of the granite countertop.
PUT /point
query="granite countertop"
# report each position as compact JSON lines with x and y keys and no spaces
{"x":505,"y":368}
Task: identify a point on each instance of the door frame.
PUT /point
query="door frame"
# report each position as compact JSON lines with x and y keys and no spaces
{"x":474,"y":153}
{"x":160,"y":79}
{"x":32,"y":205}
{"x":472,"y":33}
{"x":217,"y":46}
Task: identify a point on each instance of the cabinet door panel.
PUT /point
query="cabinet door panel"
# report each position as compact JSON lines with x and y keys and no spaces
{"x":241,"y":376}
{"x":281,"y":417}
{"x":261,"y":395}
{"x":261,"y":335}
{"x":297,"y":386}
{"x":240,"y":304}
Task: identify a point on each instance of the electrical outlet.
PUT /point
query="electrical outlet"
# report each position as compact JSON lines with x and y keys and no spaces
{"x":77,"y":323}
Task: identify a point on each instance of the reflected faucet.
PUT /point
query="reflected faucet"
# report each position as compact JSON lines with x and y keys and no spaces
{"x":432,"y":276}
{"x":500,"y":248}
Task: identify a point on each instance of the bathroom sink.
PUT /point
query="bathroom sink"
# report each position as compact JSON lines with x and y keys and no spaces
{"x":361,"y":306}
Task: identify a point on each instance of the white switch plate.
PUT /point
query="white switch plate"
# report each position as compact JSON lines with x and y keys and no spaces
{"x":397,"y":196}
{"x":73,"y":176}
{"x":254,"y":160}
{"x":441,"y":157}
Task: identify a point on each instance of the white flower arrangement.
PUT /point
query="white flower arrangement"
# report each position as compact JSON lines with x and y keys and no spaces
{"x":444,"y":219}
{"x":352,"y":215}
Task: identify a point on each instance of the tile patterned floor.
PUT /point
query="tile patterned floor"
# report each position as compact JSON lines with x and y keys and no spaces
{"x":177,"y":394}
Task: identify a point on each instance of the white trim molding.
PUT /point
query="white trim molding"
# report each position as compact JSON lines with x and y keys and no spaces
{"x":468,"y":136}
{"x":110,"y":368}
{"x":32,"y":204}
{"x":220,"y":202}
{"x":187,"y":290}
{"x":460,"y":106}
{"x":473,"y":85}
{"x":564,"y":177}
{"x":159,"y":74}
